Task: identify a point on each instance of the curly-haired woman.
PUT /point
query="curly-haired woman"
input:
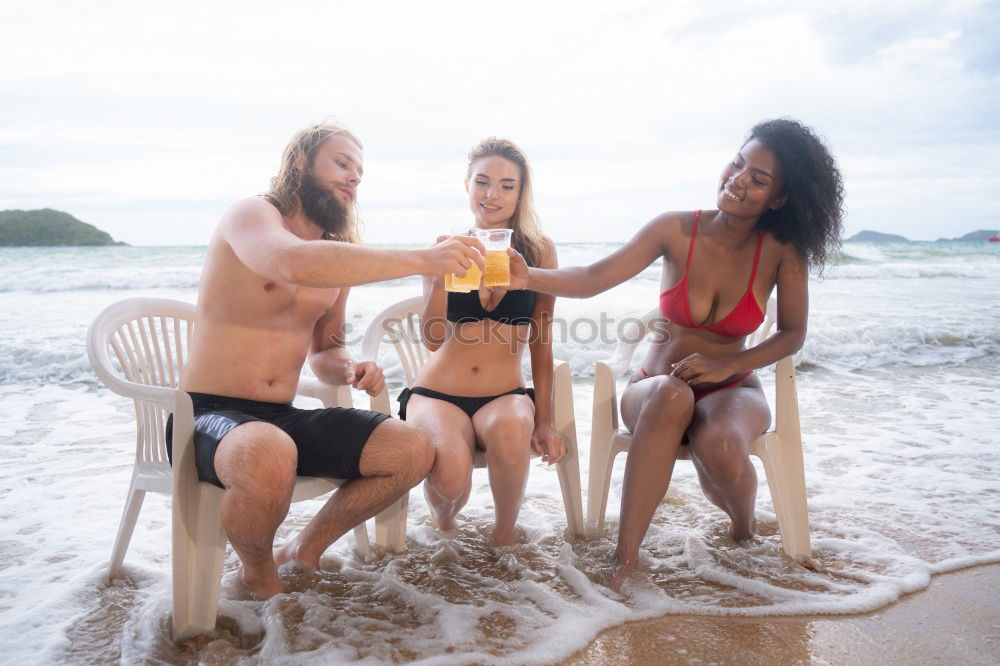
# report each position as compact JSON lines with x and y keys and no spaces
{"x":780,"y":207}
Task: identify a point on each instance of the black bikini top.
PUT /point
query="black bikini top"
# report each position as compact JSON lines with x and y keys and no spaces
{"x":514,"y":308}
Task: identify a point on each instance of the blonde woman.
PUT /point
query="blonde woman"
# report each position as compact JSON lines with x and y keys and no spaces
{"x":471,"y":393}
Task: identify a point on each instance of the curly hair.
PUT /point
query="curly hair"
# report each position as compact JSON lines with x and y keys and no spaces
{"x":812,"y":218}
{"x":527,"y":236}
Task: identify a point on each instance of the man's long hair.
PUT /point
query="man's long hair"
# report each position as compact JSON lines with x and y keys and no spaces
{"x":285,"y":187}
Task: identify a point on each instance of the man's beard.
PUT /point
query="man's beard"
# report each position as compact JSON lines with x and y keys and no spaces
{"x":323,"y":207}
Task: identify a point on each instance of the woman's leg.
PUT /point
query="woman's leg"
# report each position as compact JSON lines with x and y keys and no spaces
{"x":504,"y":428}
{"x":447,"y":486}
{"x":657,"y":411}
{"x":725,"y":424}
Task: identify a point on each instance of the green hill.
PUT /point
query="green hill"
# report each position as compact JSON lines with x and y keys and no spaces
{"x":48,"y":227}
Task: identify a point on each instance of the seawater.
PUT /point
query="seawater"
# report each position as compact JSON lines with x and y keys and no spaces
{"x":898,"y":395}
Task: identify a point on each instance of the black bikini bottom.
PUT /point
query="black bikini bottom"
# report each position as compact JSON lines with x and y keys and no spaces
{"x":468,"y":405}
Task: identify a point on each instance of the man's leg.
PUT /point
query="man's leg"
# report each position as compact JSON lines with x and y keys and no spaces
{"x":396,"y":457}
{"x":256,"y":463}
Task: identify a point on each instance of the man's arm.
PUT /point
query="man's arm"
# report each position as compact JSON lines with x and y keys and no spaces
{"x":328,"y":355}
{"x":254,"y":230}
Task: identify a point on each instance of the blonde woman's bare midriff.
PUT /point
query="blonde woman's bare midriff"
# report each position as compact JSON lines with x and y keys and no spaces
{"x":480,"y":358}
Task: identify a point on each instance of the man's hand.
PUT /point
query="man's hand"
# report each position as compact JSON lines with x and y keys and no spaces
{"x":518,"y":270}
{"x":366,"y":376}
{"x":547,"y":442}
{"x":453,"y":254}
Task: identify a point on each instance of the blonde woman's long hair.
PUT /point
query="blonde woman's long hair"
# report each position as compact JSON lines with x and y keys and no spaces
{"x":284,"y":191}
{"x":527,"y":236}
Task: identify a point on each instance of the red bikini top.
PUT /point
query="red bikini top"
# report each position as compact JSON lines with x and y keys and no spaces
{"x":743,"y":320}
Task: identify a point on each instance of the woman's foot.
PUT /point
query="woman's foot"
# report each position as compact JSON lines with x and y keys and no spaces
{"x":743,"y":533}
{"x":617,"y":572}
{"x":504,"y":536}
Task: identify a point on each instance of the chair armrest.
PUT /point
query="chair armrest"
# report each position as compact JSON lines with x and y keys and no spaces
{"x":380,"y":402}
{"x":604,"y":418}
{"x":786,"y":397}
{"x":331,"y":395}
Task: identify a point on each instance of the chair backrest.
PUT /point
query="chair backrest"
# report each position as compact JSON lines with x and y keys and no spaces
{"x":399,"y":322}
{"x":144,"y":341}
{"x":637,"y":331}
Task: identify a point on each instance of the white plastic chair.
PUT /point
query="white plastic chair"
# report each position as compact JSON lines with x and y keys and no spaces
{"x":401,"y":324}
{"x":138,"y":348}
{"x":780,"y":450}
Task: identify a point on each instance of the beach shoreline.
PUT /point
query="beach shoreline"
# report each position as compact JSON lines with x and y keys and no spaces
{"x":955,"y":620}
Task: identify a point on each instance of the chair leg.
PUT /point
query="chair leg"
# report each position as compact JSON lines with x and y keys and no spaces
{"x":130,"y":514}
{"x":361,"y":543}
{"x":602,"y":460}
{"x":569,"y":469}
{"x":603,"y":428}
{"x":198,"y":551}
{"x":390,"y":526}
{"x":786,"y":480}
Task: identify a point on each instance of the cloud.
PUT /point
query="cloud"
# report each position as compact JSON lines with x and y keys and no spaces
{"x":131,"y":114}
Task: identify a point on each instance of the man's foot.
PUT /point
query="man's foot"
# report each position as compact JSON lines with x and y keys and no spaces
{"x":261,"y":586}
{"x":293,"y":551}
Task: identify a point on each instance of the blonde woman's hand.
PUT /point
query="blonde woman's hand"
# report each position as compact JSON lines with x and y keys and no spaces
{"x":548,"y":443}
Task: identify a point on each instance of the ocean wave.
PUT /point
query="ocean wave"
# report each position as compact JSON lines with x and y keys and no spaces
{"x":91,"y":282}
{"x":46,"y":270}
{"x":32,"y":367}
{"x":887,"y":346}
{"x":910,"y":271}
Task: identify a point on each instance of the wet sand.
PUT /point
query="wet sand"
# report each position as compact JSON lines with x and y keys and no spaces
{"x":956,"y":620}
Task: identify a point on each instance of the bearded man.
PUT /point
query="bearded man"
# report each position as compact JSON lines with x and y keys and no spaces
{"x":273,"y":294}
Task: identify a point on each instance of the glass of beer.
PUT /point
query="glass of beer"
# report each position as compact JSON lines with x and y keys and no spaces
{"x":497,"y":262}
{"x":470,"y":281}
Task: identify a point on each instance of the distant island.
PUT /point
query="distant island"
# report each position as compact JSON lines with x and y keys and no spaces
{"x":48,"y":227}
{"x":981,"y":236}
{"x":876,"y":237}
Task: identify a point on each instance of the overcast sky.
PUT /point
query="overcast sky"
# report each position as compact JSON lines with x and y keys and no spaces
{"x":148,"y":123}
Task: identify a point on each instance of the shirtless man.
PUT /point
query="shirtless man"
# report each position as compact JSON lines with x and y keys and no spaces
{"x":272,"y":294}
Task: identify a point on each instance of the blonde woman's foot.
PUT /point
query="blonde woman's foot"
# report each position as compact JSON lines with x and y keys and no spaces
{"x":743,"y":535}
{"x":504,"y":537}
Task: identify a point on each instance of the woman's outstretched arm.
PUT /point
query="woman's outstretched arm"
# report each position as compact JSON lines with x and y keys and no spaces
{"x":585,"y":281}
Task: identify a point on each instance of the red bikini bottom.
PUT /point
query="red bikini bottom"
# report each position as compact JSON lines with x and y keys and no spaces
{"x":698,"y":395}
